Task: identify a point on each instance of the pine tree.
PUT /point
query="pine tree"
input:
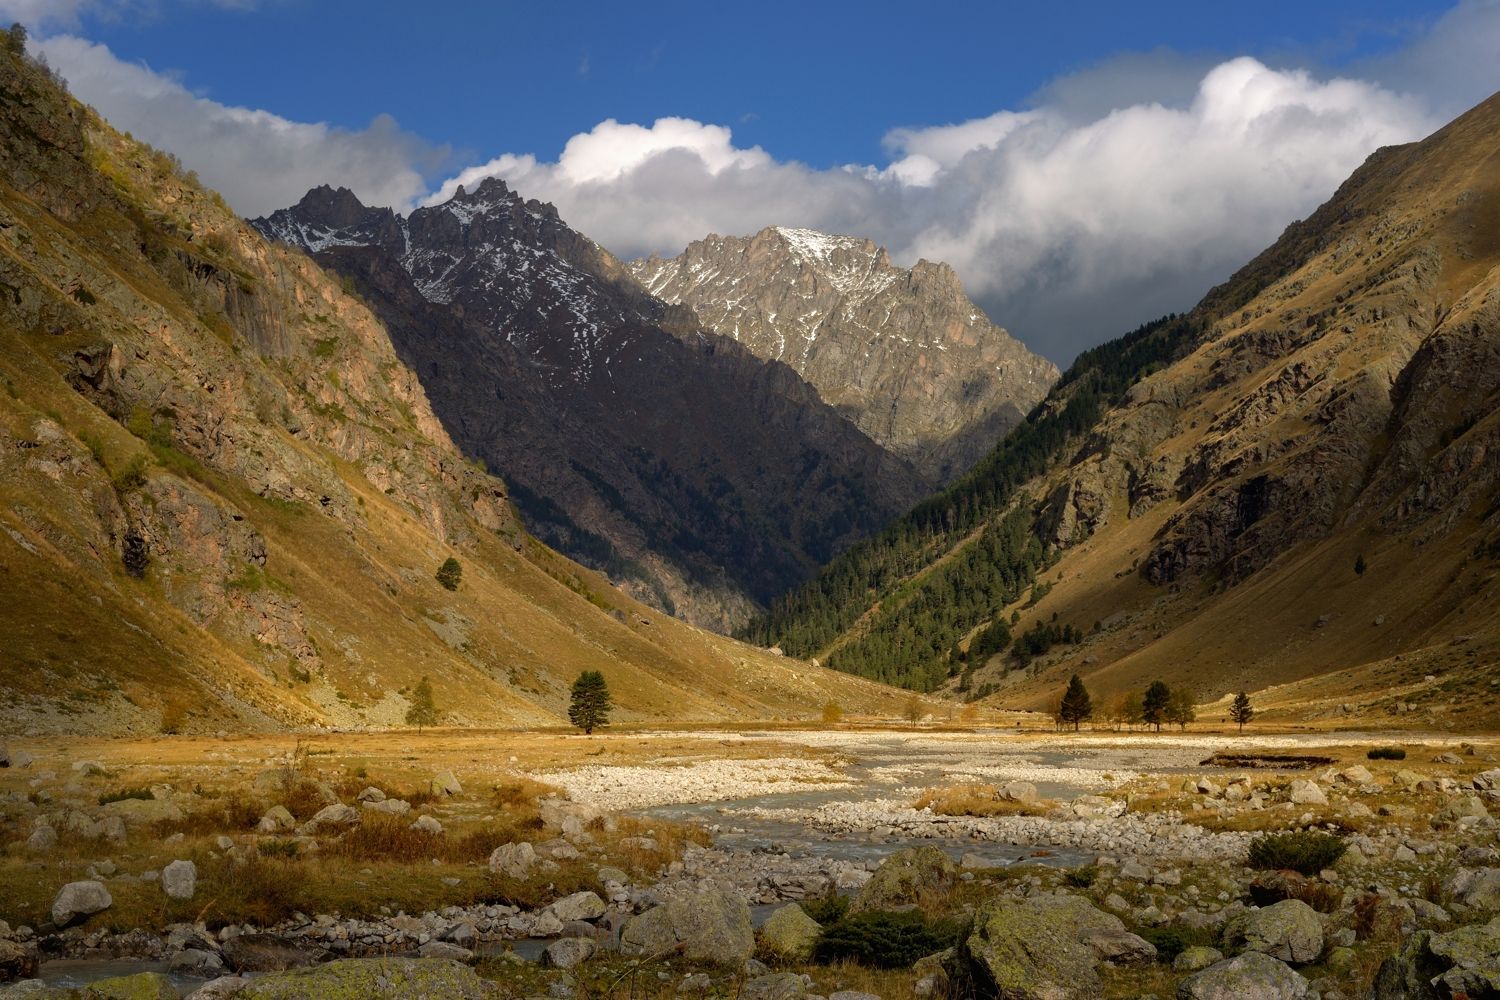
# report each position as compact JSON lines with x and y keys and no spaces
{"x":1154,"y":704}
{"x":1076,"y":706}
{"x":1359,"y":564}
{"x":1241,"y":711}
{"x":590,"y":706}
{"x":450,"y":573}
{"x":423,"y":711}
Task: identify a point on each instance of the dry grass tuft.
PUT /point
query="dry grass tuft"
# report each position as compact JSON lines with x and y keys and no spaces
{"x":974,"y":800}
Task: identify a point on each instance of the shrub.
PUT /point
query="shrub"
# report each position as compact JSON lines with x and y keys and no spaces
{"x":450,"y":574}
{"x":1173,"y":941}
{"x":1387,"y":753}
{"x":1081,"y":878}
{"x":826,"y":910}
{"x":1305,"y":852}
{"x":121,"y":794}
{"x":885,"y":940}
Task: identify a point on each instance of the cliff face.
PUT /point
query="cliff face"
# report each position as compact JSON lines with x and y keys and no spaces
{"x":703,"y":479}
{"x":904,"y":353}
{"x":225,"y":495}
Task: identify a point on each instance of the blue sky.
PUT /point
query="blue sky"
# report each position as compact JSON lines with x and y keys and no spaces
{"x":1083,"y":167}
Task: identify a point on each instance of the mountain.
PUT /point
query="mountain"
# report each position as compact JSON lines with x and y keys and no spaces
{"x":225,"y":496}
{"x":701,"y":478}
{"x":1292,"y":489}
{"x":903,"y":353}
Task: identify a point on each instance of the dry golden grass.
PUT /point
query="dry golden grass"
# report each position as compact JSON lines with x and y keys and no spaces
{"x":974,"y":800}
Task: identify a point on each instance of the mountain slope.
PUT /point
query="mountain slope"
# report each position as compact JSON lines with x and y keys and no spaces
{"x":1204,"y":488}
{"x":904,"y":353}
{"x":225,"y":496}
{"x":701,"y":478}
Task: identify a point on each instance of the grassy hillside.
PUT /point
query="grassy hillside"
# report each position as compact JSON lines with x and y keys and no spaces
{"x":225,"y":498}
{"x":1192,"y":500}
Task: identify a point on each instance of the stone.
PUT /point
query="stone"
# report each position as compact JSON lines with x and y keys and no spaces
{"x":1487,"y":780}
{"x":776,"y":986}
{"x":579,"y":906}
{"x":1477,"y":888}
{"x":1196,"y":958}
{"x":546,"y":924}
{"x":372,"y":979}
{"x":1432,"y":966}
{"x":42,"y":839}
{"x":1023,"y":953}
{"x":196,"y":962}
{"x":179,"y":880}
{"x":1460,"y":808}
{"x":427,"y":824}
{"x":446,"y":783}
{"x":710,"y":926}
{"x":790,"y":933}
{"x":333,"y":815}
{"x":607,"y":875}
{"x":144,"y":812}
{"x":852,"y":995}
{"x":77,"y":901}
{"x":1104,"y":932}
{"x":265,"y":953}
{"x":17,"y":960}
{"x":446,"y":950}
{"x":141,"y":986}
{"x":554,"y":812}
{"x":276,"y":820}
{"x":219,"y":989}
{"x":566,"y":953}
{"x":88,"y":768}
{"x":370,"y":794}
{"x":391,"y":807}
{"x":1357,"y":775}
{"x":1251,"y":976}
{"x":698,"y":982}
{"x":1306,"y":793}
{"x":904,"y":877}
{"x":513,"y":860}
{"x":1408,"y":779}
{"x":1290,"y":931}
{"x":1018,"y":791}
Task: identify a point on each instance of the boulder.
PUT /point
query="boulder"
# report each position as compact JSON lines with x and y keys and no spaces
{"x":1103,"y":932}
{"x":1357,"y":775}
{"x":370,"y":794}
{"x":219,"y":989}
{"x":1432,"y":966}
{"x":579,"y":906}
{"x":1197,"y":958}
{"x":446,"y":783}
{"x":1476,"y":888}
{"x":373,"y":979}
{"x":1251,"y":976}
{"x":904,"y":877}
{"x":1459,"y":808}
{"x":276,"y":820}
{"x":144,"y":812}
{"x":77,"y":901}
{"x":1408,"y":779}
{"x":391,"y":807}
{"x":427,"y":824}
{"x":556,"y":812}
{"x":1020,"y":952}
{"x":569,"y":952}
{"x":179,"y":880}
{"x":513,"y":860}
{"x":776,"y":986}
{"x":446,"y":950}
{"x":712,"y":926}
{"x":790,"y":933}
{"x":1289,"y":930}
{"x":265,"y":953}
{"x":141,"y":986}
{"x":1487,"y":780}
{"x":42,"y":839}
{"x":332,"y":816}
{"x":1306,"y":793}
{"x":196,"y":962}
{"x":1018,"y":791}
{"x":17,"y":960}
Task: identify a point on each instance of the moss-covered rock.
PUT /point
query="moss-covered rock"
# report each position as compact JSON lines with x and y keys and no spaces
{"x":904,"y":878}
{"x":704,"y":927}
{"x":1430,"y":966}
{"x":1290,"y":931}
{"x":141,"y":986}
{"x":1251,"y":976}
{"x":1023,"y":953}
{"x":790,"y":933}
{"x":372,"y":979}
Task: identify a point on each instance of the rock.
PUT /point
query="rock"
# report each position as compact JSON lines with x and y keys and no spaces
{"x":265,"y":953}
{"x":1357,"y":775}
{"x":179,"y":880}
{"x":17,"y":960}
{"x":904,"y":877}
{"x":42,"y":839}
{"x":219,"y":989}
{"x":276,"y":781}
{"x":141,"y":986}
{"x":391,"y":807}
{"x":370,"y":794}
{"x":1431,"y":966}
{"x":1018,"y":791}
{"x":1448,"y":758}
{"x":373,"y":979}
{"x":1408,"y":779}
{"x":333,"y":815}
{"x":698,"y":982}
{"x":1477,"y":888}
{"x":579,"y":906}
{"x":1022,"y":953}
{"x":1306,"y":793}
{"x":276,"y":819}
{"x":776,"y":986}
{"x":1487,"y":780}
{"x":569,"y":952}
{"x":1459,"y":808}
{"x":1196,"y":958}
{"x":1289,"y":930}
{"x":88,"y":768}
{"x":427,"y":824}
{"x":1251,"y":976}
{"x":78,"y":901}
{"x":711,"y":926}
{"x":513,"y":860}
{"x":607,"y":875}
{"x":446,"y":950}
{"x":790,"y":933}
{"x":554,"y":812}
{"x":196,"y":962}
{"x":144,"y":812}
{"x":852,"y":995}
{"x":446,"y":783}
{"x":1104,"y":932}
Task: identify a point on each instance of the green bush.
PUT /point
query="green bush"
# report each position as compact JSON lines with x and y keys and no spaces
{"x":1304,"y":852}
{"x":121,"y":794}
{"x":1387,"y":753}
{"x":826,"y":910}
{"x":885,"y":940}
{"x":1081,"y":878}
{"x":1173,"y":941}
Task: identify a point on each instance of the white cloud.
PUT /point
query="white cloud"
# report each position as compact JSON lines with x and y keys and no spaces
{"x":1453,"y":65}
{"x":1067,"y":230}
{"x":259,"y":161}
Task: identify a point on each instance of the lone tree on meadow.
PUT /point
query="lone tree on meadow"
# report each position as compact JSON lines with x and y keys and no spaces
{"x":1154,"y":704}
{"x":1077,"y":706}
{"x":450,"y":574}
{"x":1181,"y":709}
{"x":422,"y":711}
{"x":589,"y":709}
{"x":1241,"y":711}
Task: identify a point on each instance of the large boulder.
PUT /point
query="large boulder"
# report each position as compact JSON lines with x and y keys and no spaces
{"x":1251,"y":976}
{"x":141,"y":986}
{"x":579,"y":906}
{"x":373,"y":979}
{"x":1104,"y":932}
{"x":1431,"y":966}
{"x":905,"y":878}
{"x":569,"y":952}
{"x":704,"y":927}
{"x":1023,"y":953}
{"x":555,"y":813}
{"x":790,"y":933}
{"x":77,"y":901}
{"x":335,"y":815}
{"x":1289,"y":930}
{"x":446,"y":783}
{"x":1476,"y":888}
{"x":264,"y":953}
{"x":1306,"y":793}
{"x":513,"y":860}
{"x":276,"y":820}
{"x":775,"y":986}
{"x":144,"y":812}
{"x":179,"y":880}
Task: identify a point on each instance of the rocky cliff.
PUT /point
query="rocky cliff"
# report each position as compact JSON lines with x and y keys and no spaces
{"x":904,"y":353}
{"x":225,"y":495}
{"x":703,"y":479}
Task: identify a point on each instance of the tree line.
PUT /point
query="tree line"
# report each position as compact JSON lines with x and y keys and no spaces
{"x":1156,"y":706}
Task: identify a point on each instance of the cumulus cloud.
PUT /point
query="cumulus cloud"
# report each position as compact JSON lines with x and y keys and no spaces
{"x":259,"y":161}
{"x":1067,"y":227}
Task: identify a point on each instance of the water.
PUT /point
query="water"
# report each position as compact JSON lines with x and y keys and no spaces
{"x":74,"y":973}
